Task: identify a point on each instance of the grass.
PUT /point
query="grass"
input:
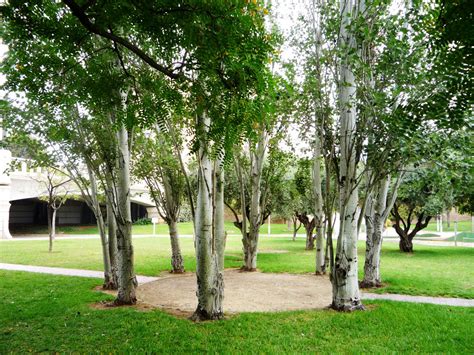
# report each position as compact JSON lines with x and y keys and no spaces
{"x":463,"y":226}
{"x":45,"y":313}
{"x":161,"y":229}
{"x":431,"y":270}
{"x":465,"y":237}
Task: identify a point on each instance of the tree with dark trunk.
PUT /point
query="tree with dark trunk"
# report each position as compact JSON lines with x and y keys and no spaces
{"x":156,"y":164}
{"x":421,"y":196}
{"x":309,"y":224}
{"x":403,"y":225}
{"x":55,"y":197}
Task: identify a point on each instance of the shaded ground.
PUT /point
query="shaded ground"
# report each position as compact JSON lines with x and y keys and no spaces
{"x":244,"y":292}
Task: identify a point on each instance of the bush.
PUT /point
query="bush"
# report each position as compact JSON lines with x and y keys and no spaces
{"x":142,"y":222}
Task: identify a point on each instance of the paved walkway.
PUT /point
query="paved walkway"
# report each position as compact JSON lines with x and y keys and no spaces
{"x":440,"y":242}
{"x":460,"y":302}
{"x":66,"y":272}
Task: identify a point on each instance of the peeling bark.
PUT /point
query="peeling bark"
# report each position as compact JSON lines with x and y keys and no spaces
{"x":127,"y":281}
{"x":177,"y":264}
{"x":344,"y":277}
{"x":255,"y":213}
{"x":209,"y":244}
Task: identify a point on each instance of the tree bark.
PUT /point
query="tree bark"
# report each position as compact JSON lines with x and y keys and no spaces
{"x":344,"y":278}
{"x":405,"y":244}
{"x":375,"y":221}
{"x":318,"y":205}
{"x":210,"y":278}
{"x":112,"y":236}
{"x":51,"y":226}
{"x":221,"y":236}
{"x":109,"y":282}
{"x":177,"y":265}
{"x":255,"y":215}
{"x":127,"y":281}
{"x":296,"y":228}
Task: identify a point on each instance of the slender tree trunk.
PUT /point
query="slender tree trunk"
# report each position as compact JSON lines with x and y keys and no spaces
{"x":374,"y":220}
{"x":221,"y":236}
{"x":112,"y":237}
{"x":318,"y":205}
{"x":309,"y":238}
{"x":255,"y":217}
{"x":210,"y":278}
{"x":50,"y":228}
{"x":109,"y":282}
{"x":344,"y":279}
{"x":448,"y":217}
{"x":127,"y":281}
{"x":294,"y":229}
{"x":177,"y":265}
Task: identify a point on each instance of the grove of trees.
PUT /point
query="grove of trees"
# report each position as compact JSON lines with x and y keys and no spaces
{"x":194,"y":99}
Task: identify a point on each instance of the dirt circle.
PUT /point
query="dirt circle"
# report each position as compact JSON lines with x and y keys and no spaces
{"x":244,"y":292}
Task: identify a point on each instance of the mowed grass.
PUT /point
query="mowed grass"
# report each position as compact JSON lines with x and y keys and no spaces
{"x":160,"y":229}
{"x":463,"y":226}
{"x":46,"y":313}
{"x":430,"y":270}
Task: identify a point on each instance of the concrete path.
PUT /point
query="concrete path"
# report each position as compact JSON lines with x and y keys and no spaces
{"x":66,"y":272}
{"x":440,"y":242}
{"x":459,"y":302}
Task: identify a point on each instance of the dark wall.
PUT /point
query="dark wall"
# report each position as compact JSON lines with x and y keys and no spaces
{"x":34,"y":212}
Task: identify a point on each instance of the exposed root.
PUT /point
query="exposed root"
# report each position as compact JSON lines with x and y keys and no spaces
{"x":118,"y":303}
{"x":353,"y":306}
{"x":370,"y":284}
{"x":179,"y":271}
{"x":201,"y":315}
{"x":110,"y":285}
{"x":246,"y":269}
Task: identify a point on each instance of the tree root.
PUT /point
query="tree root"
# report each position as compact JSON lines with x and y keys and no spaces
{"x":200,"y":315}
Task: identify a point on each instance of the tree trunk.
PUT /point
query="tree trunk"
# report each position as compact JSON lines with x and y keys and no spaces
{"x":221,"y":236}
{"x":127,"y":281}
{"x":295,"y":228}
{"x":50,"y":228}
{"x":309,"y":238}
{"x":177,"y":265}
{"x":109,"y":282}
{"x":318,"y":205}
{"x":448,"y":217}
{"x":344,"y":277}
{"x":112,"y":237}
{"x":255,"y":215}
{"x":406,"y":244}
{"x":210,"y":278}
{"x":375,"y":221}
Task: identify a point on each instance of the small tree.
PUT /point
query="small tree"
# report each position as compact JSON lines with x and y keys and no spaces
{"x":157,"y":165}
{"x":55,"y":197}
{"x":420,"y":197}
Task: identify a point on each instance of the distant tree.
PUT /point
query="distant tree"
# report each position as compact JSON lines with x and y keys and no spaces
{"x":156,"y":163}
{"x":421,"y":196}
{"x":55,"y":196}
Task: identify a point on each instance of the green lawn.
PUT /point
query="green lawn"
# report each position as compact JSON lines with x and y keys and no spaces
{"x":465,"y":237}
{"x":463,"y":226}
{"x":45,"y":313}
{"x":184,"y":228}
{"x":437,"y":271}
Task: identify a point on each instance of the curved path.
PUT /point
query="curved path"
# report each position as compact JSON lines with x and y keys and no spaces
{"x":278,"y":291}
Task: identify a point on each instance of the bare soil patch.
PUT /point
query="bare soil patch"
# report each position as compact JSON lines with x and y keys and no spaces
{"x":244,"y":292}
